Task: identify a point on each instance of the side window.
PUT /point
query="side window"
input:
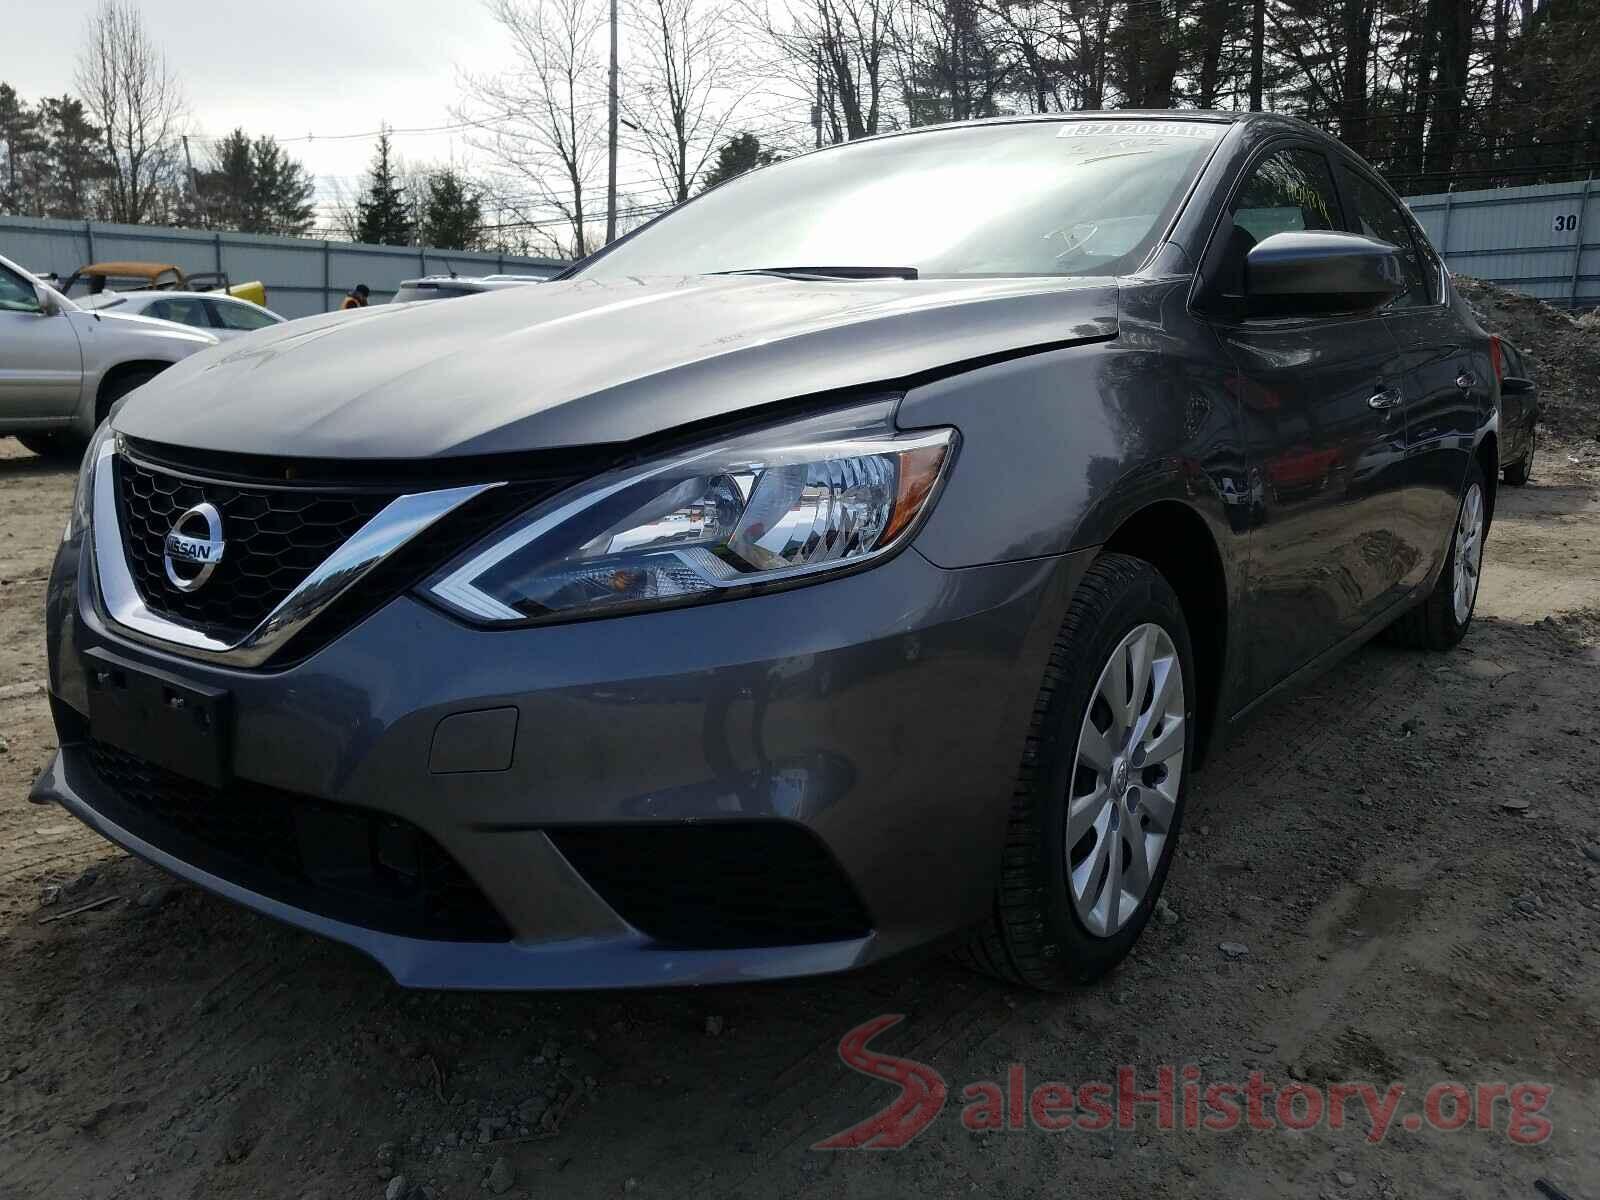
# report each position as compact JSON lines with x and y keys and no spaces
{"x":1379,"y":216}
{"x":16,"y":293}
{"x":184,"y":312}
{"x":238,"y":316}
{"x":1290,"y":189}
{"x":1286,"y":191}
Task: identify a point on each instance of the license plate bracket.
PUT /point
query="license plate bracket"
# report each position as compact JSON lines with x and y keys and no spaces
{"x":172,"y":722}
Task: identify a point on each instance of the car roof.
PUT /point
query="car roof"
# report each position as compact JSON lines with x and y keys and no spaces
{"x":136,"y":270}
{"x":150,"y":297}
{"x":1185,"y":115}
{"x":486,"y":282}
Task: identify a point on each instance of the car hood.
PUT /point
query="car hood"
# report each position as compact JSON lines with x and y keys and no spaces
{"x":589,"y":362}
{"x":133,"y":325}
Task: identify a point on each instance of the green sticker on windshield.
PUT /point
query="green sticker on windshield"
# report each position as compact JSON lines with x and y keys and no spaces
{"x":1198,"y":130}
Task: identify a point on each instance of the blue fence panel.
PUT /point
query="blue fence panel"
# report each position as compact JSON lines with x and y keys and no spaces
{"x":1542,"y":240}
{"x":302,"y":277}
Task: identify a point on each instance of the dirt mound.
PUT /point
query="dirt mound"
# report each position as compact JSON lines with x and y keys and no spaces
{"x":1563,"y":353}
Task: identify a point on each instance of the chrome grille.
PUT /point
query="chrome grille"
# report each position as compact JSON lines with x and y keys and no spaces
{"x":275,"y":537}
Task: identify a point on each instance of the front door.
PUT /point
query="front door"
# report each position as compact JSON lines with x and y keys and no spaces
{"x":1445,"y":375}
{"x":41,"y":367}
{"x":1325,"y":434}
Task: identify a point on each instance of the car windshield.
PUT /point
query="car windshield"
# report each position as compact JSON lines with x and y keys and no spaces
{"x":1074,"y":197}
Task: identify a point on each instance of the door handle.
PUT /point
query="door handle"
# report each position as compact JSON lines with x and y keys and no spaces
{"x":1466,"y":381}
{"x":1387,"y":398}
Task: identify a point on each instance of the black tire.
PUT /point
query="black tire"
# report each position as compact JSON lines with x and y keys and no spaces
{"x":1434,"y":624}
{"x":1519,"y":472}
{"x":119,"y":386}
{"x":59,"y":447}
{"x":1034,"y":936}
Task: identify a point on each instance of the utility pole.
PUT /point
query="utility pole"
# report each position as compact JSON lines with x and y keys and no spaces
{"x":1258,"y":39}
{"x":194,"y":180}
{"x":816,"y":109}
{"x":611,"y":165}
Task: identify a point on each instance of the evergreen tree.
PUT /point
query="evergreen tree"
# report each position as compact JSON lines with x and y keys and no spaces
{"x":285,"y":187}
{"x":76,"y":158}
{"x":382,"y":216}
{"x":738,"y":154}
{"x":452,"y":212}
{"x":21,"y":142}
{"x":255,"y":187}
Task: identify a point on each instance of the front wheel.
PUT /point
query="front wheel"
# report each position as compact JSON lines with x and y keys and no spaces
{"x":58,"y":446}
{"x":1098,"y":802}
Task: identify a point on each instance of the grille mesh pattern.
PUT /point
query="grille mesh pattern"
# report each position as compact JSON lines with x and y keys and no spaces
{"x":765,"y":883}
{"x":351,"y":864}
{"x":275,"y":538}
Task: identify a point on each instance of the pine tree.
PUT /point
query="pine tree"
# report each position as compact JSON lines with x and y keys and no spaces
{"x":76,"y":157}
{"x":382,"y":217}
{"x":255,"y":187}
{"x":452,"y":212}
{"x":226,"y":192}
{"x":21,"y":142}
{"x":738,"y":154}
{"x":285,"y":188}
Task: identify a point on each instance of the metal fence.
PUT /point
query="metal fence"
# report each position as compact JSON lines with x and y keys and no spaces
{"x":302,"y":277}
{"x":1529,"y":239}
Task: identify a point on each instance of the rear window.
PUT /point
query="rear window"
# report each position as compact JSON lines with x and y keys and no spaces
{"x":240,"y":316}
{"x":183,"y":311}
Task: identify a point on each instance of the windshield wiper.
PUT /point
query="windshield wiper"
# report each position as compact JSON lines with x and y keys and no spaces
{"x":827,"y":272}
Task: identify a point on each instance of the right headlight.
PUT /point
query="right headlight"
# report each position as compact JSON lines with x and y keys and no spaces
{"x":83,"y":494}
{"x":786,"y":505}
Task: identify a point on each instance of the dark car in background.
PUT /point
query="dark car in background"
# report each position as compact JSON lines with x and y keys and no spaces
{"x":865,"y":552}
{"x":1519,"y":412}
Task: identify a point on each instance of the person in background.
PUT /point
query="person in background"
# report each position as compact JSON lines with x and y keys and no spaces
{"x":356,"y":297}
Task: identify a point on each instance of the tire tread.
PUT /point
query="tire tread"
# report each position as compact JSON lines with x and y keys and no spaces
{"x":1012,"y":944}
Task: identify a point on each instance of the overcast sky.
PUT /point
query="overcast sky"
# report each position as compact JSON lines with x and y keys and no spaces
{"x":287,"y":67}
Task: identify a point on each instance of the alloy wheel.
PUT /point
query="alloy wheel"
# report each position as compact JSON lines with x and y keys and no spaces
{"x":1125,"y":779}
{"x":1469,"y":552}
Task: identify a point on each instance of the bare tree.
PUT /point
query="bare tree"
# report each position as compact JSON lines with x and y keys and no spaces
{"x":834,"y":55}
{"x":134,"y":97}
{"x":544,"y":121}
{"x":680,"y":94}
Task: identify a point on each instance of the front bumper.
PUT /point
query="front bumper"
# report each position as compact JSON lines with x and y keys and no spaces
{"x":883,"y":713}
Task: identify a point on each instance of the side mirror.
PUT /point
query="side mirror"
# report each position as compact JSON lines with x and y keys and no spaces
{"x":1312,"y":272}
{"x":47,"y":301}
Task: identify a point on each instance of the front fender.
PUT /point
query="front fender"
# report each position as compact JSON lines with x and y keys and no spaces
{"x":1060,"y":448}
{"x":109,"y":342}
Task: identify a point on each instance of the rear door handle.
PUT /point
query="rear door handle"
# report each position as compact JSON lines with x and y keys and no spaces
{"x":1388,"y":398}
{"x":1466,"y":381}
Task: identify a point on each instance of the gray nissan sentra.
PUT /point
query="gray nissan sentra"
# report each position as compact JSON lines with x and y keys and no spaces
{"x":865,"y":553}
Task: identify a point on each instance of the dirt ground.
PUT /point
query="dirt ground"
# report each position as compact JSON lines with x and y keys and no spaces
{"x":1388,"y":919}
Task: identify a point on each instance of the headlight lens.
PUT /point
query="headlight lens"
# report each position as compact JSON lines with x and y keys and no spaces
{"x":788,"y":504}
{"x":83,"y":495}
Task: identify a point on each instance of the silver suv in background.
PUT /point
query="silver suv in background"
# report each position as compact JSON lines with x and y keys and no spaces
{"x":447,"y":287}
{"x":62,"y":367}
